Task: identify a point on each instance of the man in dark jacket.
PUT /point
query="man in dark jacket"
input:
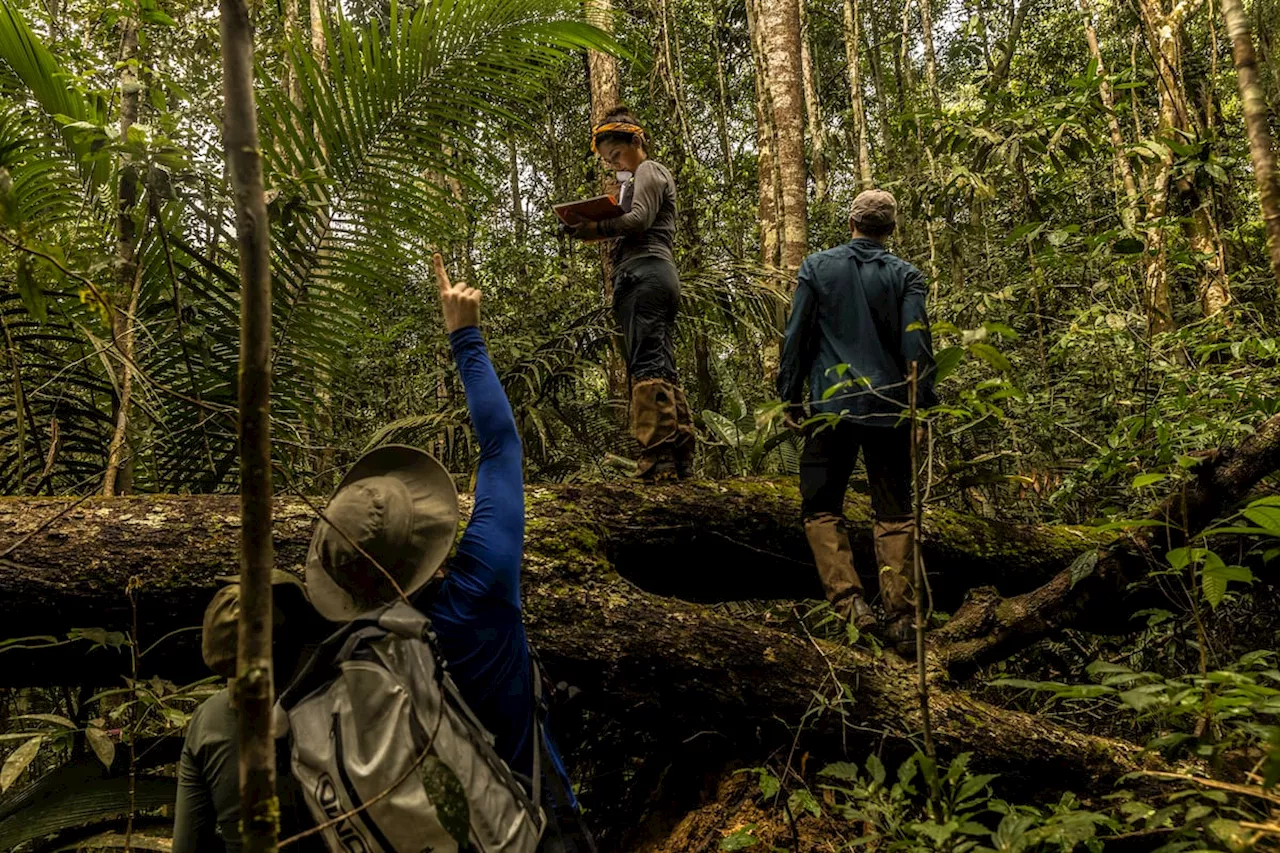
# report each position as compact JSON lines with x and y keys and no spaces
{"x":857,"y":323}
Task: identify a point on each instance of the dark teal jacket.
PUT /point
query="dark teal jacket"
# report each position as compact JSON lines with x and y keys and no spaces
{"x":855,"y":305}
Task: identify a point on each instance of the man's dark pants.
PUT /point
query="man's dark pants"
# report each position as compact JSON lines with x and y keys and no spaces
{"x":826,"y":464}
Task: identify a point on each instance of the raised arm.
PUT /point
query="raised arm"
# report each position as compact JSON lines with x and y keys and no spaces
{"x":917,"y":341}
{"x":646,"y":200}
{"x":490,"y":552}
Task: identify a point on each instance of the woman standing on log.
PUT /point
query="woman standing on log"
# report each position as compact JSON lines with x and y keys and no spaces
{"x":646,"y":294}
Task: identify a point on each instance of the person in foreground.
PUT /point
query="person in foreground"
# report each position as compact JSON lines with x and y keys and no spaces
{"x":646,"y":294}
{"x":399,"y":506}
{"x":207,"y":812}
{"x":860,"y":306}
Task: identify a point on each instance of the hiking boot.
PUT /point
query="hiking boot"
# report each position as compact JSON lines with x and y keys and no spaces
{"x":900,"y":636}
{"x":829,"y":542}
{"x":895,"y":538}
{"x":856,"y":610}
{"x":686,"y":438}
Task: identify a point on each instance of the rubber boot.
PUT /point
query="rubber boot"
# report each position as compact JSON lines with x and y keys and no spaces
{"x":895,"y":553}
{"x":654,"y":425}
{"x":829,"y":540}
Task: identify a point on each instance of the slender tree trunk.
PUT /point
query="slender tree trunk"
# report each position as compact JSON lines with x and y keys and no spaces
{"x":930,"y":57}
{"x":869,"y":45}
{"x":906,"y":82}
{"x":1017,"y":20}
{"x":852,"y":50}
{"x":813,"y":109}
{"x":259,"y":809}
{"x":1129,"y":213}
{"x":517,"y":202}
{"x":780,"y":33}
{"x":1261,"y":145}
{"x":722,"y":108}
{"x":291,"y":82}
{"x":118,"y":476}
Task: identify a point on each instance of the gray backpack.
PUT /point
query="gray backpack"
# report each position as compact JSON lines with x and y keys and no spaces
{"x":390,"y":758}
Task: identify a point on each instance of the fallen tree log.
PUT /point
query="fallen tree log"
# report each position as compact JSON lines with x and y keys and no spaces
{"x":673,"y":669}
{"x":66,"y":564}
{"x":989,"y":627}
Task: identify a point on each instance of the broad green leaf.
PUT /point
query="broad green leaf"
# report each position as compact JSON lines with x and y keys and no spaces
{"x":1143,"y":480}
{"x":875,"y":768}
{"x":803,"y":800}
{"x":991,"y":356}
{"x":1265,"y":516}
{"x":101,"y":744}
{"x":946,"y":361}
{"x":17,"y":762}
{"x":845,"y":771}
{"x":1083,"y":566}
{"x":769,"y":784}
{"x":1128,"y":246}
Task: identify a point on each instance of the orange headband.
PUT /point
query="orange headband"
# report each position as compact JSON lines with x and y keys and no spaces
{"x":616,"y":127}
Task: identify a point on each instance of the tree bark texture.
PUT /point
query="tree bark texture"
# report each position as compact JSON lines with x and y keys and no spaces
{"x":780,"y":36}
{"x":813,"y":110}
{"x":852,"y":52}
{"x":259,"y":811}
{"x":117,"y":477}
{"x":1017,"y":20}
{"x":600,"y":562}
{"x":1261,"y":144}
{"x":930,"y":56}
{"x":989,"y":628}
{"x":1124,"y":168}
{"x":770,"y":209}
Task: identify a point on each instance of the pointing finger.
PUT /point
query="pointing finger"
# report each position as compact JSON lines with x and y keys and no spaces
{"x":442,"y":275}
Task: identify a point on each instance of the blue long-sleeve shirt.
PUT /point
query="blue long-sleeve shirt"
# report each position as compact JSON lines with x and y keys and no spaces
{"x":861,"y":306}
{"x":476,"y":611}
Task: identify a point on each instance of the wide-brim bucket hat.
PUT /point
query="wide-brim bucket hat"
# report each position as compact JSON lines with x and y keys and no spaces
{"x":397,"y":505}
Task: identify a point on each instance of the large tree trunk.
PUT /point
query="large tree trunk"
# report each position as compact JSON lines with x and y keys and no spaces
{"x":780,"y":34}
{"x":852,"y":50}
{"x":1261,"y":145}
{"x":770,"y":214}
{"x":597,"y":562}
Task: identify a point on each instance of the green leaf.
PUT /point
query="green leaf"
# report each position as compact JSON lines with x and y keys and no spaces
{"x":1083,"y":566}
{"x":845,"y":771}
{"x":769,"y":784}
{"x":1265,"y":516}
{"x":56,"y":719}
{"x":101,"y":744}
{"x":991,"y":356}
{"x":946,"y":361}
{"x":18,"y":761}
{"x":875,"y":768}
{"x":29,"y":290}
{"x":740,"y":839}
{"x":1216,"y":575}
{"x":1143,"y":480}
{"x":803,"y":800}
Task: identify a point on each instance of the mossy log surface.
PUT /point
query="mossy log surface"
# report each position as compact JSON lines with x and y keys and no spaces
{"x":67,"y":565}
{"x":651,"y":662}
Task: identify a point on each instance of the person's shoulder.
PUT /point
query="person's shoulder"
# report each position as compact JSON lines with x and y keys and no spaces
{"x":900,"y":265}
{"x":652,"y":168}
{"x":825,"y":258}
{"x":215,"y":715}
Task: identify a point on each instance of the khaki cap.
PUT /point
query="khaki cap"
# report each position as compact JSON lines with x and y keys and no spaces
{"x":874,"y":210}
{"x":219,"y":631}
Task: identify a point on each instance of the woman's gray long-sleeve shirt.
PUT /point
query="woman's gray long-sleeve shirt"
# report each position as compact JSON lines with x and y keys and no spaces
{"x":648,"y":228}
